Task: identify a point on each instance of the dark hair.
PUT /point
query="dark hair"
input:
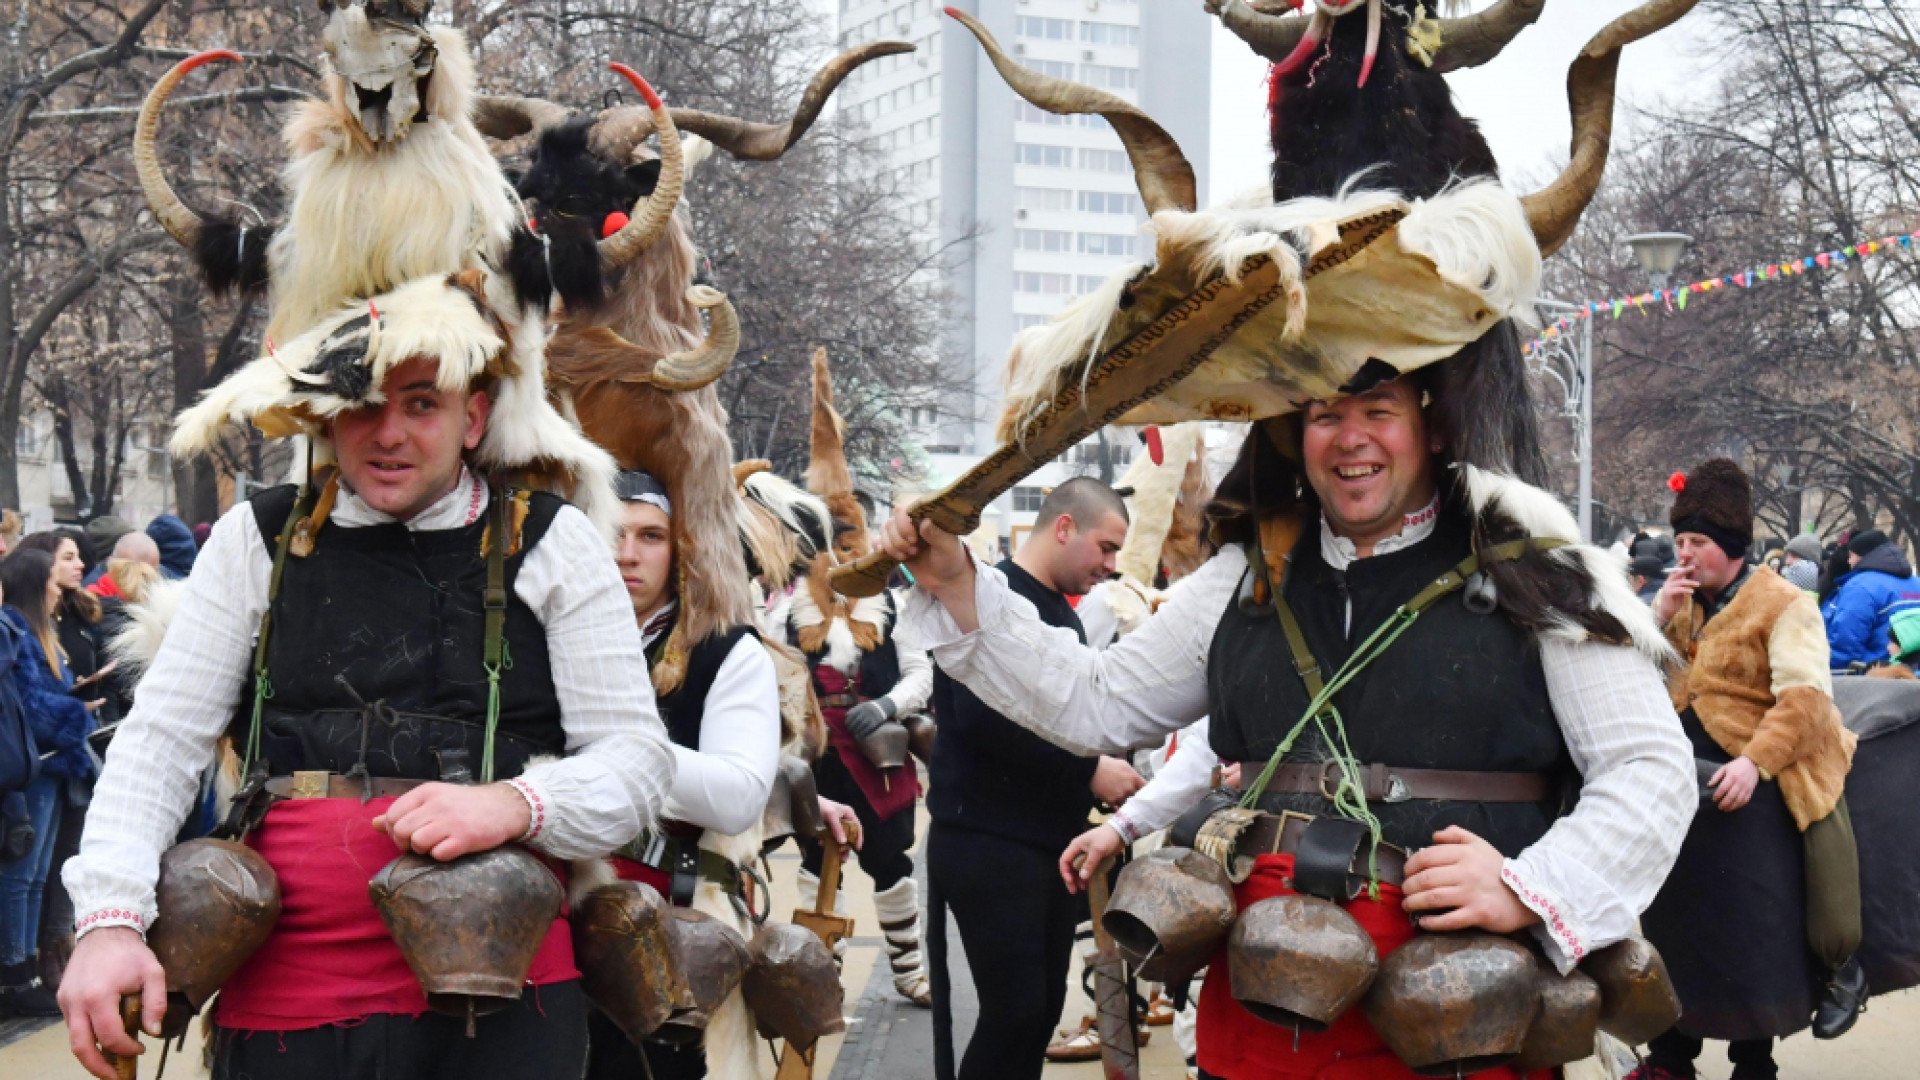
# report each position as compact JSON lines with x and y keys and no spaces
{"x":76,"y":603}
{"x":1083,"y":499}
{"x":23,"y":585}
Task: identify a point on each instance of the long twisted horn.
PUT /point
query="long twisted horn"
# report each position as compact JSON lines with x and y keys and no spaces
{"x":1271,"y":35}
{"x":765,"y":142}
{"x":1160,"y":170}
{"x":699,"y":366}
{"x":505,"y":116}
{"x":1472,"y":40}
{"x":1555,"y":210}
{"x":650,"y":215}
{"x":174,"y":215}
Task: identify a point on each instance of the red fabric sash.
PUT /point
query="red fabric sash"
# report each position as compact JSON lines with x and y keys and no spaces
{"x":330,"y":959}
{"x":1237,"y":1045}
{"x":888,"y":791}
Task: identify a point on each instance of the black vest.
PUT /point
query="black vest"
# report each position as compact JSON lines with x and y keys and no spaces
{"x":682,"y":710}
{"x":1457,"y":691}
{"x":879,"y":670}
{"x":377,"y":640}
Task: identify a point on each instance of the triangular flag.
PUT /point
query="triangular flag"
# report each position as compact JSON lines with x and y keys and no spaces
{"x":1824,"y":259}
{"x":1618,"y":307}
{"x":1684,"y":293}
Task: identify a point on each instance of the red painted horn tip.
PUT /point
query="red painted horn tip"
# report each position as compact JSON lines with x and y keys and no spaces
{"x":208,"y":57}
{"x":952,"y":12}
{"x":646,"y":90}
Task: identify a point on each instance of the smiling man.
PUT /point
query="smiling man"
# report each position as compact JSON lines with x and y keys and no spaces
{"x":1459,"y":740}
{"x":387,"y":686}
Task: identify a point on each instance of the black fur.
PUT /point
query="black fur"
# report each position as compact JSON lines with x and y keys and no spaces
{"x":573,"y":191}
{"x":1402,"y":125}
{"x":561,"y":258}
{"x":231,"y":256}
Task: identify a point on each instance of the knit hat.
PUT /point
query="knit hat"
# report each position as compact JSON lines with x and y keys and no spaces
{"x":1865,"y":542}
{"x":105,"y":531}
{"x":1905,"y":632}
{"x":1715,"y":500}
{"x":1806,"y":546}
{"x":1647,"y":566}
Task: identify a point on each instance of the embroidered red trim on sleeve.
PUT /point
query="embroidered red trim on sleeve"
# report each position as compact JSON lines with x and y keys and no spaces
{"x":1547,"y":911}
{"x":110,"y":917}
{"x":537,"y":807}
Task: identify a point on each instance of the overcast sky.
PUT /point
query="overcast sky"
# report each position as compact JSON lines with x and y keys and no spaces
{"x":1520,"y":99}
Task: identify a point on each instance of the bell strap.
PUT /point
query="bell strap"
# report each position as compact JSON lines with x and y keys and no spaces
{"x":682,"y":861}
{"x":494,"y":658}
{"x":262,"y":685}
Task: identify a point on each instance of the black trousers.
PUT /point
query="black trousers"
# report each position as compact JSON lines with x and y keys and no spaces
{"x":544,"y":1037}
{"x":1675,"y":1051}
{"x":613,"y":1056}
{"x":884,"y":845}
{"x":1016,"y":922}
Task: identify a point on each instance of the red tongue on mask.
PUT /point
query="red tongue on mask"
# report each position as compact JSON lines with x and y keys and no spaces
{"x":613,"y":224}
{"x":1154,"y":448}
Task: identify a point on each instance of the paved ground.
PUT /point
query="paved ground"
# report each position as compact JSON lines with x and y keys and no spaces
{"x":888,"y":1039}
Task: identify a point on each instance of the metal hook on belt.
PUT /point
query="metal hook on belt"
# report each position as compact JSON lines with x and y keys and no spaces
{"x":760,"y":890}
{"x":368,"y":712}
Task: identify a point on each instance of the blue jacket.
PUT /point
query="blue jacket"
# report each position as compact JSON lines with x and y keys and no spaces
{"x":177,"y":548}
{"x":59,"y":720}
{"x":1865,"y":601}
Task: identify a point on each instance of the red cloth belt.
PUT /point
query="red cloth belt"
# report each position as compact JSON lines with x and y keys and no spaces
{"x":1237,"y":1045}
{"x":330,"y":959}
{"x":888,"y":791}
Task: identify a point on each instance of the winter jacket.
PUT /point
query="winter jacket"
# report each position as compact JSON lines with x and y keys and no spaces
{"x":177,"y":548}
{"x":60,"y":722}
{"x":1865,"y":601}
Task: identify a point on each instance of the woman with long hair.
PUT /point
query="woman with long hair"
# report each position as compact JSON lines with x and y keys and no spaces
{"x":61,"y":723}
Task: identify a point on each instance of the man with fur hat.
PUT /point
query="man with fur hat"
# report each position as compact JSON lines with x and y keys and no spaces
{"x":864,"y":681}
{"x":399,"y":626}
{"x":1755,"y":694}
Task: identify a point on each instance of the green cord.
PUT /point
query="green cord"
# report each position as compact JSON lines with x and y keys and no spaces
{"x":493,"y":710}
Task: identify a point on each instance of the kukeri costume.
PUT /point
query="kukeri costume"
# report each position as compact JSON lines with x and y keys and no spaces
{"x":1527,"y":661}
{"x":350,"y":657}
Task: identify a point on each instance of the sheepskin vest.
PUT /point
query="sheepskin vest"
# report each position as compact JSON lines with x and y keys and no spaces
{"x":377,"y":641}
{"x":1756,"y":677}
{"x":1459,"y":690}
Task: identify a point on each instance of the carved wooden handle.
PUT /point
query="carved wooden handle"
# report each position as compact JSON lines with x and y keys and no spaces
{"x":127,"y":1067}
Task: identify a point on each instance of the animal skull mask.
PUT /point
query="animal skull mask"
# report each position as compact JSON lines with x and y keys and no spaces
{"x":383,"y":51}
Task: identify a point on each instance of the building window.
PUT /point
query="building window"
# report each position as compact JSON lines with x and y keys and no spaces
{"x":1042,"y":240}
{"x":1039,"y":198}
{"x":1109,"y":202}
{"x":1046,"y":29}
{"x":1027,"y":500}
{"x":1052,"y":157}
{"x":1028,"y":113}
{"x":1024,"y":321}
{"x":1104,"y":33}
{"x":1110,"y":77}
{"x":1113,"y":161}
{"x":1029,"y":281}
{"x":1109,"y":244}
{"x":1059,"y":69}
{"x":1087,"y":283}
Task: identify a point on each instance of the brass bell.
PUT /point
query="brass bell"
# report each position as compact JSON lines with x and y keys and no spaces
{"x":713,"y":959}
{"x":1637,"y":999}
{"x":1171,"y":911}
{"x":1568,"y":1020}
{"x":629,"y":967}
{"x":1299,"y":961}
{"x":792,"y":986}
{"x":886,"y":745}
{"x":469,"y":927}
{"x":921,"y":731}
{"x":218,"y":902}
{"x":1455,"y":1003}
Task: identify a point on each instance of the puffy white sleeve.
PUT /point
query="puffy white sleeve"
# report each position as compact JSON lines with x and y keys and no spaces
{"x":1598,"y":868}
{"x":723,"y":785}
{"x":1186,"y":777}
{"x":1088,"y":701}
{"x":915,"y":687}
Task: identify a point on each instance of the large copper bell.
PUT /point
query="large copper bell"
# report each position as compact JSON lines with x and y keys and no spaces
{"x":792,"y":986}
{"x":469,"y":927}
{"x":629,"y":967}
{"x":1568,"y":1020}
{"x":1455,"y":1003}
{"x":714,"y":959}
{"x":886,"y":746}
{"x":1170,"y":912}
{"x":1299,"y":961}
{"x":776,"y":818}
{"x":921,"y":731}
{"x":1637,"y":1000}
{"x":218,"y":901}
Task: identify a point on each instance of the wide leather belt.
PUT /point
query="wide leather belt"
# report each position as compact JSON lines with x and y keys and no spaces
{"x":327,"y":785}
{"x":684,"y":862}
{"x":839,"y":701}
{"x":1393,"y":784}
{"x":1289,"y":834}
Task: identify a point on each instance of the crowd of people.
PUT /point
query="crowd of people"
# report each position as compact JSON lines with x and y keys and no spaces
{"x":64,"y":593}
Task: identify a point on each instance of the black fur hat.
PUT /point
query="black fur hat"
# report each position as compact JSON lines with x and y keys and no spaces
{"x":1715,"y":500}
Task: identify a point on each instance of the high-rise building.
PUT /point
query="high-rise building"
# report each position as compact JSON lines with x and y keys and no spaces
{"x":1042,"y":207}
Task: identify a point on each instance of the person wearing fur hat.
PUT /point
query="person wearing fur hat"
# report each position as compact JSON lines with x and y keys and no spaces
{"x":400,"y":626}
{"x":1754,"y":692}
{"x":864,"y":681}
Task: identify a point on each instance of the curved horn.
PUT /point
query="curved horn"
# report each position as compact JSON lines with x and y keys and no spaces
{"x":750,"y":467}
{"x":1160,"y":170}
{"x":1472,"y":40}
{"x":505,"y":116}
{"x":651,"y":214}
{"x":1555,"y":210}
{"x":765,"y":142}
{"x":1271,"y":36}
{"x":701,"y":365}
{"x":174,"y":215}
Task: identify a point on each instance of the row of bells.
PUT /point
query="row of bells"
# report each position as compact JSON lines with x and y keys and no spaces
{"x":470,"y":927}
{"x":1446,"y":1004}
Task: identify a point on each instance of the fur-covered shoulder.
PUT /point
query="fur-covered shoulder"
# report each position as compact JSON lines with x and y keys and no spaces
{"x":1503,"y":506}
{"x":134,"y":647}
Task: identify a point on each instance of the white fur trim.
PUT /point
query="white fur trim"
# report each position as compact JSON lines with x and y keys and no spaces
{"x":1156,"y":492}
{"x":135,"y":646}
{"x":1540,"y":514}
{"x":843,"y":654}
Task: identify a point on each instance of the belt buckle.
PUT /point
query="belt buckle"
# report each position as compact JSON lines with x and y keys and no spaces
{"x":1280,"y":830}
{"x":1330,"y":780}
{"x":309,"y":785}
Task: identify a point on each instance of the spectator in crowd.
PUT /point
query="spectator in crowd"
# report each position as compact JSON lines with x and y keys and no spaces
{"x":9,"y":531}
{"x":1658,"y":545}
{"x":102,"y":533}
{"x":61,"y":723}
{"x":177,"y":548}
{"x":135,"y":547}
{"x":1804,"y":548}
{"x":1838,"y":562}
{"x":1646,"y":574}
{"x":200,"y":533}
{"x":1879,"y":585}
{"x":1802,"y":574}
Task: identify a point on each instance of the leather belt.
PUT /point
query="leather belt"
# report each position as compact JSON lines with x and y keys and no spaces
{"x":1287,"y":834}
{"x":839,"y":701}
{"x":1392,"y":784}
{"x":684,"y":862}
{"x":327,"y":785}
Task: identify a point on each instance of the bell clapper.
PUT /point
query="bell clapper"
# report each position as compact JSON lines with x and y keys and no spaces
{"x":473,"y":1027}
{"x":1296,"y":1038}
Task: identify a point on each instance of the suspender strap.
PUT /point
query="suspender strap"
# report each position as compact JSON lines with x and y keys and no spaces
{"x":1304,"y":661}
{"x":262,"y":685}
{"x":495,"y":658}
